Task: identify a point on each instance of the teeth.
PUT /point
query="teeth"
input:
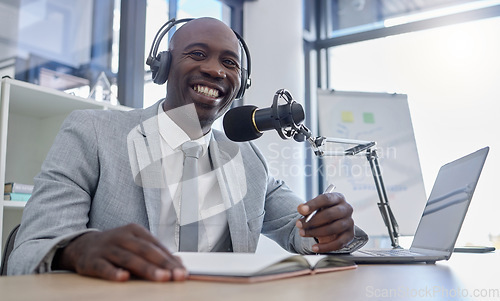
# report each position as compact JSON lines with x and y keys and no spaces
{"x":206,"y":91}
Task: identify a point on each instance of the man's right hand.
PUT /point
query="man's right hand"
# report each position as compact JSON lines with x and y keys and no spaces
{"x":119,"y":253}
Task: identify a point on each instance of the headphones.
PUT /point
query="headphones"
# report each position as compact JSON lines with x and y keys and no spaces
{"x":160,"y":63}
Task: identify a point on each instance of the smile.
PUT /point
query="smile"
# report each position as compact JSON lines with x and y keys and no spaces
{"x":214,"y":93}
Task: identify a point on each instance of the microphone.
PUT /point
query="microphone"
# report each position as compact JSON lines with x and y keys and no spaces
{"x":247,"y":123}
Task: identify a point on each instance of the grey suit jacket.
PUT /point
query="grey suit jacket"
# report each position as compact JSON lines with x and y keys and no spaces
{"x":103,"y":171}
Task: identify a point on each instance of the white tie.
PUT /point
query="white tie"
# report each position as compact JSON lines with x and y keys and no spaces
{"x":188,"y":232}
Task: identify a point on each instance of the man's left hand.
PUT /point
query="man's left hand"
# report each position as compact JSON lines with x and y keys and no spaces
{"x":332,"y":226}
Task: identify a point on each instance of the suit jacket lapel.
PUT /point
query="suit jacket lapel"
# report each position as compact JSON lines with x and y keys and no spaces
{"x":145,"y":157}
{"x":228,"y":164}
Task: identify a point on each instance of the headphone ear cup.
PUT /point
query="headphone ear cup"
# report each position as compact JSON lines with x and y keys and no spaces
{"x":243,"y":84}
{"x":161,"y":75}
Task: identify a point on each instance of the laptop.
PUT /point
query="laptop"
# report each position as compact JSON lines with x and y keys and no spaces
{"x":442,"y":218}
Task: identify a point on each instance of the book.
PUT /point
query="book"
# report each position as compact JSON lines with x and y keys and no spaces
{"x":13,"y":196}
{"x":18,"y":187}
{"x":251,"y":268}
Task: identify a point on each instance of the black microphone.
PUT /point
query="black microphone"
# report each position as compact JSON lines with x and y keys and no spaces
{"x":247,"y":123}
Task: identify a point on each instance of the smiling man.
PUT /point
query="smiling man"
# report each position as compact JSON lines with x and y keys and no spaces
{"x":203,"y":72}
{"x":108,"y":198}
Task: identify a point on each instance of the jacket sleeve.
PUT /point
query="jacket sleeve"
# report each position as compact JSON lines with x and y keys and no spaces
{"x":281,"y":214}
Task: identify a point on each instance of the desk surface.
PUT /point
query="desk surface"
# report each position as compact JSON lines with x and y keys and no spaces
{"x":464,"y":276}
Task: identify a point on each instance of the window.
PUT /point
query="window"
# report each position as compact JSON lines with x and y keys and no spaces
{"x":346,"y":17}
{"x":65,"y":45}
{"x":451,"y":77}
{"x":69,"y":45}
{"x":450,"y":74}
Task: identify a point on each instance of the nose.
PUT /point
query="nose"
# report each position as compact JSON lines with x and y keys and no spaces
{"x":213,"y":68}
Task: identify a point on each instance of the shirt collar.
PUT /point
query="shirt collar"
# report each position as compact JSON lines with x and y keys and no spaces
{"x":174,"y":136}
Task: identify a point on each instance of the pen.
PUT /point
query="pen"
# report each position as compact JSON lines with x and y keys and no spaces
{"x":329,"y":189}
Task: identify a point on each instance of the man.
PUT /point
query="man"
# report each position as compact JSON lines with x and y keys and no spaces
{"x":105,"y":203}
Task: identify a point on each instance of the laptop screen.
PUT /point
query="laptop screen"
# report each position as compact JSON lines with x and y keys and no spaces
{"x":448,"y":202}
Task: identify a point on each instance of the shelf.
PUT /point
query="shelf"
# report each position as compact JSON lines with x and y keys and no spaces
{"x":42,"y":102}
{"x":31,"y":118}
{"x":13,"y":204}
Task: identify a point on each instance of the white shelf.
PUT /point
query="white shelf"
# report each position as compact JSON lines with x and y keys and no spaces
{"x":13,"y":204}
{"x":37,"y":101}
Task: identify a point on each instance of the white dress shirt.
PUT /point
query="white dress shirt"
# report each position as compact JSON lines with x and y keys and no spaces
{"x":213,"y":220}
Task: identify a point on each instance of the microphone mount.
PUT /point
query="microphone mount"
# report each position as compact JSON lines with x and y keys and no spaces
{"x":299,"y":133}
{"x":294,"y":129}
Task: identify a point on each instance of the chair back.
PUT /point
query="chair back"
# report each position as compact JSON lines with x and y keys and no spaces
{"x":9,"y":245}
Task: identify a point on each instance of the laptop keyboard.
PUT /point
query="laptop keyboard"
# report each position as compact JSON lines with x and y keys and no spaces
{"x":390,"y":252}
{"x":351,"y":247}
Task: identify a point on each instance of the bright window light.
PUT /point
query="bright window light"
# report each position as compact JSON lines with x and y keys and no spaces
{"x":469,"y":6}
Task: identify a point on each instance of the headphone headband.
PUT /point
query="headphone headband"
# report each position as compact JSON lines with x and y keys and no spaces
{"x":162,"y":32}
{"x":160,"y":63}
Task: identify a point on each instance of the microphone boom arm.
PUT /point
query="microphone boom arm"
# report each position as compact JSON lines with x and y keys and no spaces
{"x":318,"y":144}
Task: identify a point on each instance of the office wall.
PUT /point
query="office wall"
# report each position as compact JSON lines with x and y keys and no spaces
{"x":273,"y":32}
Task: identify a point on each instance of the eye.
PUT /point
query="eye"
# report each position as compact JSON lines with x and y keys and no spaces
{"x":197,"y":54}
{"x":230,"y":63}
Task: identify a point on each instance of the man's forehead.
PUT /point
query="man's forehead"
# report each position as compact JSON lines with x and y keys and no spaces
{"x":205,"y":30}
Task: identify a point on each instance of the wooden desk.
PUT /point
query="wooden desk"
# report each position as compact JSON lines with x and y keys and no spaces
{"x":465,"y":276}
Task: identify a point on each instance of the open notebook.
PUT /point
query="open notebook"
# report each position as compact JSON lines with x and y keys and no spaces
{"x":442,"y":218}
{"x":249,"y":267}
